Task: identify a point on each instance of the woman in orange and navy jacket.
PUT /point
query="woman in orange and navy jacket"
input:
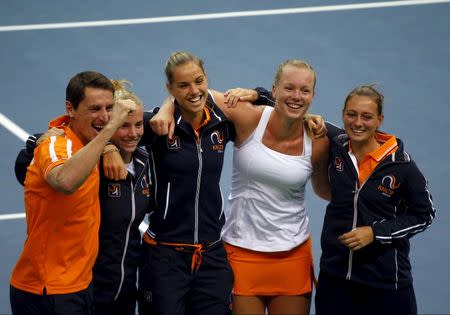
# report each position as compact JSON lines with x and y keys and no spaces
{"x":379,"y":200}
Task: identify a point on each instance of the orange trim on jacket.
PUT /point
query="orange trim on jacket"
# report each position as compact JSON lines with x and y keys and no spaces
{"x":371,"y":160}
{"x":204,"y":122}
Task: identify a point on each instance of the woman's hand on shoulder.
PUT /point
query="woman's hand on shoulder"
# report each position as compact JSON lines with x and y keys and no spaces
{"x":245,"y":116}
{"x":238,"y":110}
{"x":236,"y":95}
{"x":49,"y":133}
{"x":316,"y":124}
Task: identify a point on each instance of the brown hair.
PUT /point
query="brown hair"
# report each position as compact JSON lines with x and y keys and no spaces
{"x":178,"y":58}
{"x":368,"y":90}
{"x":77,"y":85}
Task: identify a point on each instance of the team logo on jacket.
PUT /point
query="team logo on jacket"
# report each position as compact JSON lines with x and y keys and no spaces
{"x":145,"y":186}
{"x":147,"y":296}
{"x":174,"y":143}
{"x":388,"y":185}
{"x":339,"y":164}
{"x":114,"y":190}
{"x":217,"y":138}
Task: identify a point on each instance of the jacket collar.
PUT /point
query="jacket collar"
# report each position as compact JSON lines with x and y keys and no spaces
{"x":398,"y":156}
{"x":216,"y":114}
{"x":140,"y":159}
{"x":63,"y":122}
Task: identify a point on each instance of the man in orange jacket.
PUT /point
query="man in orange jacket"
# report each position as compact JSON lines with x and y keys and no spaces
{"x":54,"y":271}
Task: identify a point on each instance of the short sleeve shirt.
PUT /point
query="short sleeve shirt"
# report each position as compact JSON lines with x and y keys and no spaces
{"x":62,"y":230}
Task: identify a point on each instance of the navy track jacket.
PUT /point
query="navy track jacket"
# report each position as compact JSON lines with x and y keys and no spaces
{"x":394,"y":200}
{"x":185,"y":176}
{"x":123,"y":205}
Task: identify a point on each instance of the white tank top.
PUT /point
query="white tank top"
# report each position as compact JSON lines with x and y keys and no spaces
{"x":266,"y":209}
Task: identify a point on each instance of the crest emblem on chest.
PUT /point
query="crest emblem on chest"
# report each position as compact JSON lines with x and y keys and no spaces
{"x":339,"y":164}
{"x":174,"y":143}
{"x":114,"y":190}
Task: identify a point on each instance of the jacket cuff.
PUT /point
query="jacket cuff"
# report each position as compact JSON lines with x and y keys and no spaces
{"x":379,"y":233}
{"x":264,"y":97}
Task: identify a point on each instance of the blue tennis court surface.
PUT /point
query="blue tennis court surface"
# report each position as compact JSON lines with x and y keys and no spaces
{"x":403,"y":48}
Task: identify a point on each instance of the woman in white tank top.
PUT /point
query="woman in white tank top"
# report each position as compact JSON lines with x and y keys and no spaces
{"x":267,"y":231}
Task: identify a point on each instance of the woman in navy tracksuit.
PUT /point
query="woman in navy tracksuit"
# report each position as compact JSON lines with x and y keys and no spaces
{"x":379,"y":199}
{"x":185,"y":268}
{"x":123,"y":206}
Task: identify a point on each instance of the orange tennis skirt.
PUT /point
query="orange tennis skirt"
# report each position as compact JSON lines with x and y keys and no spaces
{"x":276,"y":273}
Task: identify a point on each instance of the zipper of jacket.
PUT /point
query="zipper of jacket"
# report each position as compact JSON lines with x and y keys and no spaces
{"x":167,"y":201}
{"x":355,"y":213}
{"x":355,"y":217}
{"x":197,"y":192}
{"x":199,"y":151}
{"x":199,"y":177}
{"x":127,"y":238}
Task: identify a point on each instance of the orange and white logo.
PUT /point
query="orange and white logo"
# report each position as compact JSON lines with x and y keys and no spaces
{"x":114,"y":190}
{"x":389,"y":184}
{"x":174,"y":143}
{"x":339,"y":164}
{"x":217,"y":138}
{"x":390,"y":181}
{"x":145,"y":185}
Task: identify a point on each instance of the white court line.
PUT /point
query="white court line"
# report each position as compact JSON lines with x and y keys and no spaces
{"x":22,"y":135}
{"x":225,"y":15}
{"x":12,"y":216}
{"x":13,"y":127}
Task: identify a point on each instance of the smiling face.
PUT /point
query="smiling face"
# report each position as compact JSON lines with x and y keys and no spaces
{"x":189,"y":86}
{"x":129,"y":134}
{"x":92,"y":113}
{"x":294,"y":91}
{"x":361,"y":119}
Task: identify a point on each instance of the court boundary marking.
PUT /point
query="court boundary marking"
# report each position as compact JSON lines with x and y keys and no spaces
{"x":13,"y":128}
{"x":222,"y":15}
